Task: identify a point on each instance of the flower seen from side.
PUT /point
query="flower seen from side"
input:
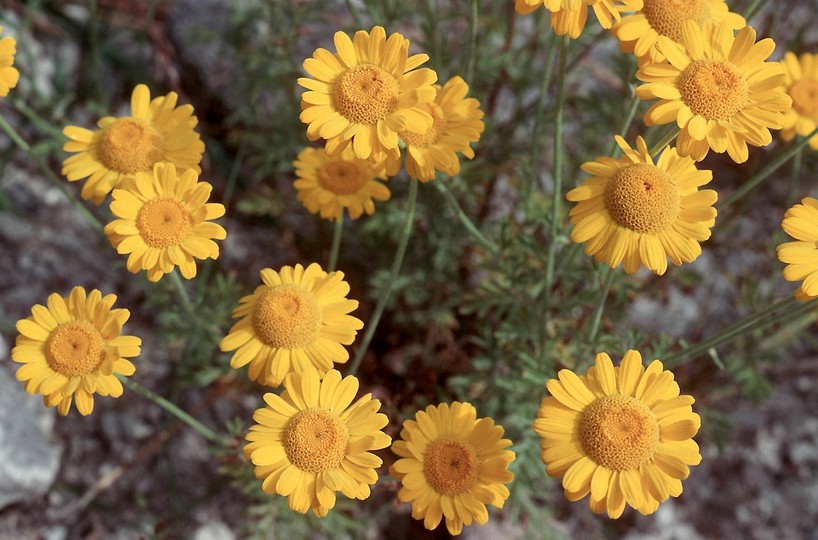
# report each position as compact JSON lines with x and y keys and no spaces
{"x":156,"y":131}
{"x":639,"y":32}
{"x":718,"y":88}
{"x":327,"y":185}
{"x":622,"y":435}
{"x":801,"y":255}
{"x":366,"y":93}
{"x":164,"y":221}
{"x":313,"y":441}
{"x":299,"y":317}
{"x":568,"y":17}
{"x":802,"y":86}
{"x":8,"y":73}
{"x":638,"y":213}
{"x":72,"y":348}
{"x":452,"y":465}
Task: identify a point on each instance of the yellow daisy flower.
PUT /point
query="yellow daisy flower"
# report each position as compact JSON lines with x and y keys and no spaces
{"x":366,"y":93}
{"x":801,"y":256}
{"x":640,"y":213}
{"x":569,"y":16}
{"x":452,"y":465}
{"x":72,"y":349}
{"x":327,"y":185}
{"x":156,"y":131}
{"x":622,"y":435}
{"x":639,"y":33}
{"x":8,"y":73}
{"x":163,"y":222}
{"x":457,"y":122}
{"x":312,"y":441}
{"x":298,"y":318}
{"x":717,"y":88}
{"x":802,"y":86}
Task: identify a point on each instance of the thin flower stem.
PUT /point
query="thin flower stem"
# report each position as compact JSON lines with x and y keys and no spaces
{"x":763,"y":173}
{"x":753,"y":8}
{"x":490,"y":246}
{"x":626,"y":122}
{"x":539,"y":114}
{"x":556,"y":205}
{"x":664,"y":141}
{"x":43,"y":166}
{"x":733,"y":331}
{"x":600,"y":307}
{"x":174,"y":410}
{"x":337,"y":234}
{"x":471,"y":54}
{"x":37,"y":120}
{"x":403,"y":242}
{"x":181,"y":290}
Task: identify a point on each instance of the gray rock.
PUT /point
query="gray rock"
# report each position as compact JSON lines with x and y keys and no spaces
{"x":214,"y":530}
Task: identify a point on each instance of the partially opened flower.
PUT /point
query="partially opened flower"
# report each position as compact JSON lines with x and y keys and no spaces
{"x":717,"y":88}
{"x":313,"y":441}
{"x":327,"y":185}
{"x":366,"y":93}
{"x":72,"y":349}
{"x":457,"y":122}
{"x":621,"y":434}
{"x":635,"y":212}
{"x":639,"y":32}
{"x":8,"y":73}
{"x":569,"y":16}
{"x":802,"y":86}
{"x":157,"y":131}
{"x":163,"y":222}
{"x":298,"y":318}
{"x":801,"y":256}
{"x":452,"y":465}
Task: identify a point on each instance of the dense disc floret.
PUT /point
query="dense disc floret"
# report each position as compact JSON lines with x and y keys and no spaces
{"x":619,"y":434}
{"x":8,"y":73}
{"x":801,"y":255}
{"x":801,"y":82}
{"x":452,"y":465}
{"x":313,"y":441}
{"x":72,"y":348}
{"x":638,"y":213}
{"x":717,"y":88}
{"x":568,"y":17}
{"x":366,"y":93}
{"x":157,"y":131}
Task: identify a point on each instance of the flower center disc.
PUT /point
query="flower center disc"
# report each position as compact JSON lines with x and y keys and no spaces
{"x":619,"y":432}
{"x":433,"y":134}
{"x":804,"y":96}
{"x":642,"y":198}
{"x":130,"y":145}
{"x":713,"y":89}
{"x":667,"y":16}
{"x":287,"y":317}
{"x":341,"y":177}
{"x":315,"y":440}
{"x":365,"y":94}
{"x":74,"y":349}
{"x":450,"y":466}
{"x":163,"y":222}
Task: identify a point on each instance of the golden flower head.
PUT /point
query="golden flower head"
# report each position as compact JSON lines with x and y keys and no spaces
{"x":801,"y":81}
{"x":313,"y":441}
{"x":157,"y":131}
{"x":163,"y":221}
{"x":621,"y":434}
{"x":327,"y":185}
{"x":452,"y":465}
{"x":569,"y":16}
{"x":298,"y":318}
{"x":640,"y":213}
{"x":801,"y":256}
{"x":72,"y":349}
{"x":717,"y":88}
{"x":8,"y":73}
{"x":366,"y":93}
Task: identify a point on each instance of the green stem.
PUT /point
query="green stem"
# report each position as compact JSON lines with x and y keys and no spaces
{"x":490,"y":246}
{"x":539,"y":113}
{"x":174,"y":410}
{"x":753,"y":8}
{"x":37,"y":120}
{"x":470,"y":59}
{"x":600,"y":307}
{"x":383,"y":299}
{"x":626,"y":122}
{"x":337,"y":234}
{"x":766,"y":171}
{"x":666,"y":139}
{"x":556,"y":205}
{"x":181,"y":290}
